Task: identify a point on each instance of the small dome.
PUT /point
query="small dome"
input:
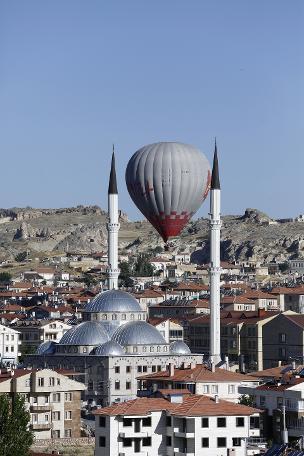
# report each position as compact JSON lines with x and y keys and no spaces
{"x":113,"y":301}
{"x":46,"y":348}
{"x":87,"y":333}
{"x":110,"y":348}
{"x":179,"y":347}
{"x":138,"y":333}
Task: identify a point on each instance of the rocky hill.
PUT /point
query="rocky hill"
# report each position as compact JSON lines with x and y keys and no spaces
{"x":82,"y":229}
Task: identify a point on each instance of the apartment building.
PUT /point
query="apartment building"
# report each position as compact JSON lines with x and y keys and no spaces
{"x":175,"y":424}
{"x":34,"y":332}
{"x":53,"y":400}
{"x":197,"y":379}
{"x":284,"y":396}
{"x":169,"y":328}
{"x":241,"y":334}
{"x":9,"y":345}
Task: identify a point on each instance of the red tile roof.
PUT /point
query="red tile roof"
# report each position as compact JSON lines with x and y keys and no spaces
{"x":192,"y":405}
{"x":200,"y":373}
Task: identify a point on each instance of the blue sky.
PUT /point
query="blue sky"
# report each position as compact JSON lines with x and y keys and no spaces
{"x":76,"y":76}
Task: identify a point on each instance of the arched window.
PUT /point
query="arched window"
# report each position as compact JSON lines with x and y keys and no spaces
{"x":139,"y":317}
{"x":132,"y":316}
{"x":158,"y":348}
{"x":151,"y":349}
{"x":144,"y":348}
{"x":134,"y":349}
{"x":104,"y":316}
{"x":165,"y":349}
{"x":123,"y":316}
{"x":114,"y":317}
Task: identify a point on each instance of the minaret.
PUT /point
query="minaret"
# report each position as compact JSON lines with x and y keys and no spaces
{"x":215,"y":263}
{"x":113,"y":228}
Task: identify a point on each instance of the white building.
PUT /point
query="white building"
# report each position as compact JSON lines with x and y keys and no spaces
{"x":9,"y":345}
{"x":52,"y":399}
{"x":170,"y":329}
{"x":175,"y":424}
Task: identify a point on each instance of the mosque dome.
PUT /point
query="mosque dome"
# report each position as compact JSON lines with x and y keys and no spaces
{"x":113,"y":301}
{"x":86,"y":333}
{"x":110,"y":348}
{"x":46,"y":348}
{"x":178,"y":347}
{"x":138,"y":333}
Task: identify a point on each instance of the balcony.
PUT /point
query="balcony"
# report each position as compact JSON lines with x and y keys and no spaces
{"x":185,"y":433}
{"x":131,"y":434}
{"x":184,"y":452}
{"x":41,"y":408}
{"x":41,"y":426}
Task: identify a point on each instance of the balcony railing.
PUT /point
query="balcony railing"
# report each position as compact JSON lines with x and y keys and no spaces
{"x":41,"y":408}
{"x":41,"y":426}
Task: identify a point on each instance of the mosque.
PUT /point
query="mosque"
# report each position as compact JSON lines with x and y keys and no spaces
{"x":114,"y":344}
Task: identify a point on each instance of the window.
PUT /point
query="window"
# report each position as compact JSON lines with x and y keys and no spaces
{"x":205,"y":442}
{"x":102,"y":421}
{"x":128,"y":369}
{"x":46,"y":418}
{"x":58,"y":381}
{"x":282,"y":352}
{"x":117,"y":384}
{"x":262,"y":401}
{"x":52,"y":381}
{"x":282,"y":338}
{"x":205,"y":422}
{"x":128,"y":385}
{"x":56,"y":434}
{"x":102,"y":441}
{"x":68,"y":397}
{"x":56,"y":397}
{"x":236,"y":441}
{"x":205,"y":389}
{"x":158,"y":368}
{"x":240,"y":421}
{"x":127,"y":422}
{"x":117,"y":369}
{"x":68,"y":415}
{"x":56,"y":416}
{"x":127,"y":442}
{"x":139,"y":368}
{"x":145,"y":369}
{"x":12,"y":349}
{"x":146,"y":441}
{"x":221,"y":422}
{"x":90,"y":385}
{"x":153,"y":368}
{"x":146,"y":421}
{"x":214,"y":389}
{"x":68,"y":433}
{"x":254,"y":422}
{"x":168,"y":440}
{"x":231,"y":389}
{"x":279,"y":401}
{"x":40,"y":381}
{"x":221,"y":442}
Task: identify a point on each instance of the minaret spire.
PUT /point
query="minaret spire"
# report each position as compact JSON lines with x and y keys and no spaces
{"x":113,"y":227}
{"x":112,"y":181}
{"x":215,"y":262}
{"x":215,"y":179}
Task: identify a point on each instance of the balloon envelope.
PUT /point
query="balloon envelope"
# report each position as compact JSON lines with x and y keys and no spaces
{"x":168,"y":182}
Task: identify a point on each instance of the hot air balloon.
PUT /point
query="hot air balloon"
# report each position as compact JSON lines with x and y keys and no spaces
{"x":168,"y":182}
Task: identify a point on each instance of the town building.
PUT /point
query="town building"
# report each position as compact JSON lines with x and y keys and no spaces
{"x":9,"y":346}
{"x":198,"y":379}
{"x":53,"y":400}
{"x":176,"y":423}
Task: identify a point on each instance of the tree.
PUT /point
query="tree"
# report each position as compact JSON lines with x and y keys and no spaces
{"x":16,"y":437}
{"x":246,"y":399}
{"x":142,"y":266}
{"x":5,"y":277}
{"x":26,"y":350}
{"x":21,"y":256}
{"x":125,"y":274}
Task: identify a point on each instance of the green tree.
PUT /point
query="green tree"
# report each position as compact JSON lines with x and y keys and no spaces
{"x":16,"y":437}
{"x":125,"y":274}
{"x":142,"y":266}
{"x":246,"y":399}
{"x":26,"y":350}
{"x":5,"y":277}
{"x":21,"y":256}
